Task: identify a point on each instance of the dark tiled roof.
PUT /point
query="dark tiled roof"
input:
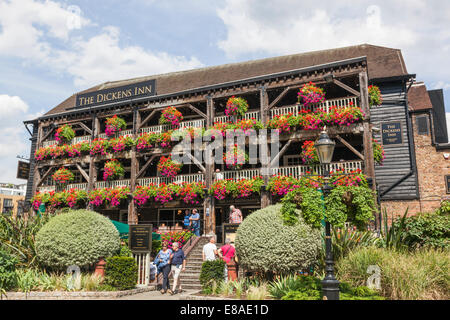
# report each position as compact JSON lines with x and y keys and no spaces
{"x":382,"y":63}
{"x":418,"y":98}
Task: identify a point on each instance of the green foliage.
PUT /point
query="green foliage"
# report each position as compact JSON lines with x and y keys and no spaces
{"x":17,"y":237}
{"x":405,"y":275}
{"x":308,"y":201}
{"x":156,"y":247}
{"x":121,"y":272}
{"x":425,"y":230}
{"x":392,"y":237}
{"x":79,"y":237}
{"x":264,"y":243}
{"x":444,"y":208}
{"x":212,"y":273}
{"x":344,"y":240}
{"x":125,"y":251}
{"x":359,"y":210}
{"x":8,"y":277}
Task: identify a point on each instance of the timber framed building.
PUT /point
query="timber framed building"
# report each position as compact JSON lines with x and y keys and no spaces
{"x":270,"y":86}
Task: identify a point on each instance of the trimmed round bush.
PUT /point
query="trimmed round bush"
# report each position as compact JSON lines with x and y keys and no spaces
{"x":265,"y":244}
{"x":78,"y":237}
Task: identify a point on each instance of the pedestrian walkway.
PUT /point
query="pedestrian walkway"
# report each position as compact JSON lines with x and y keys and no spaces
{"x":156,"y":295}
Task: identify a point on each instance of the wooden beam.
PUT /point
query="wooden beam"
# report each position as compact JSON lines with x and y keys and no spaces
{"x":81,"y":124}
{"x":83,"y":173}
{"x":280,"y":96}
{"x":348,"y":145}
{"x":41,"y":179}
{"x":143,"y":122}
{"x":195,"y":160}
{"x":141,"y":172}
{"x":264,"y":102}
{"x":190,"y":106}
{"x":47,"y":134}
{"x":282,"y":151}
{"x":346,"y":87}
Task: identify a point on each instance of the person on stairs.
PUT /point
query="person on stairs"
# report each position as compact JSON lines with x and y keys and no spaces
{"x":178,"y":262}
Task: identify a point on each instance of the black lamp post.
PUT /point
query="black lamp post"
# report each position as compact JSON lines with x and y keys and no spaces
{"x":325,"y":148}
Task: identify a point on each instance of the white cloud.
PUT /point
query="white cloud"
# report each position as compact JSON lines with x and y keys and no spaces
{"x":14,"y":140}
{"x":41,"y":33}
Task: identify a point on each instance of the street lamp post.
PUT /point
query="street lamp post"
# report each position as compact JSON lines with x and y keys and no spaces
{"x":325,"y":148}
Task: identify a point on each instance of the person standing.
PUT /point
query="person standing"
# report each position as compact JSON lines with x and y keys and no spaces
{"x":219,"y":175}
{"x":178,"y":263}
{"x":163,"y":266}
{"x":195,"y":222}
{"x":187,"y":221}
{"x":209,"y":252}
{"x":235,"y":215}
{"x":227,"y":253}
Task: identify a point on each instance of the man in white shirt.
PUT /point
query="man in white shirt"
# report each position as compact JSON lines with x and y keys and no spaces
{"x":210,"y":250}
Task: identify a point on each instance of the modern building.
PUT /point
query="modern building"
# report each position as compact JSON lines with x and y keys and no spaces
{"x":270,"y":86}
{"x":12,"y":198}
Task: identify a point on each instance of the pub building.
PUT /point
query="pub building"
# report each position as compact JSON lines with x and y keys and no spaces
{"x":409,"y":124}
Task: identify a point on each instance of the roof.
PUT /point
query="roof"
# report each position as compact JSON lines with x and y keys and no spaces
{"x":418,"y":97}
{"x":382,"y":63}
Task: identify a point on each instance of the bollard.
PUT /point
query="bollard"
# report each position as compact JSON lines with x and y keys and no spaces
{"x":100,"y":267}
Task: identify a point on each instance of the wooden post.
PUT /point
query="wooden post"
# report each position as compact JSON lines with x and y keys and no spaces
{"x":264,"y":106}
{"x":92,"y":167}
{"x":208,"y":206}
{"x":36,"y":174}
{"x":132,"y":210}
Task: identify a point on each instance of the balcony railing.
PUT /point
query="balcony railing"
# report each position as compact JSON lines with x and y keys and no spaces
{"x":294,"y":171}
{"x":294,"y":109}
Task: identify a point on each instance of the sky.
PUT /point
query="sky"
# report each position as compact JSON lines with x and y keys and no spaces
{"x":52,"y":49}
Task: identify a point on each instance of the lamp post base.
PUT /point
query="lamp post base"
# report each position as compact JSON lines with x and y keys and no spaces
{"x":330,"y":288}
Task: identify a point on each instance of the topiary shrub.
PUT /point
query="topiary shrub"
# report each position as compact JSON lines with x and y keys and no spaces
{"x":121,"y":272}
{"x":212,"y":271}
{"x":78,"y":237}
{"x":264,"y":243}
{"x":8,"y":277}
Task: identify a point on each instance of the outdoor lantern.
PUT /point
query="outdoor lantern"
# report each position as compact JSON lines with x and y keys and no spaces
{"x":325,"y":148}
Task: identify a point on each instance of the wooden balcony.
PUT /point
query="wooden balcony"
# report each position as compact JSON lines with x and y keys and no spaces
{"x":294,"y":171}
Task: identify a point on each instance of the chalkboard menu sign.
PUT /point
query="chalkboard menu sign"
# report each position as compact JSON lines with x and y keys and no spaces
{"x":229,"y":231}
{"x":447,"y":183}
{"x":140,"y":238}
{"x":391,"y":133}
{"x":23,"y":170}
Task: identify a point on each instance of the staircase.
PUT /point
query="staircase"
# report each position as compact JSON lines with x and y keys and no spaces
{"x":190,"y":279}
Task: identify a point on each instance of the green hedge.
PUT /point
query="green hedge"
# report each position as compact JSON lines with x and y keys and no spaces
{"x":212,"y":271}
{"x":78,"y":237}
{"x":121,"y":272}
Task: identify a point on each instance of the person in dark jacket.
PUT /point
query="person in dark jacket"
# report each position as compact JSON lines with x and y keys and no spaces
{"x":178,"y":263}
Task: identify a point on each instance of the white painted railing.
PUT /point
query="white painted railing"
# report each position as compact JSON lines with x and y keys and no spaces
{"x":302,"y":170}
{"x":188,"y":178}
{"x":241,"y":174}
{"x":249,"y":115}
{"x":284,"y":110}
{"x":339,"y":103}
{"x":112,"y":184}
{"x":86,"y":138}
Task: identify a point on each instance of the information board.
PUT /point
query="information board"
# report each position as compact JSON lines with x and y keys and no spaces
{"x":23,"y":170}
{"x":140,"y":238}
{"x":229,"y":231}
{"x":391,"y":133}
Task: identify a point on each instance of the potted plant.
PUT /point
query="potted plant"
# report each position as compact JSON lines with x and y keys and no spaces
{"x":171,"y":116}
{"x":168,"y":168}
{"x":375,"y":98}
{"x":235,"y":158}
{"x":236,"y":106}
{"x":378,"y":152}
{"x":113,"y":169}
{"x":64,"y":133}
{"x":63,"y":176}
{"x":310,"y":94}
{"x":114,"y":124}
{"x":309,"y":153}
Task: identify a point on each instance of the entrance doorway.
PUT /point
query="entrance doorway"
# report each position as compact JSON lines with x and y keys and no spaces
{"x":223,"y":216}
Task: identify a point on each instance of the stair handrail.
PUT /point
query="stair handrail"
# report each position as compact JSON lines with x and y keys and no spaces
{"x":190,"y":244}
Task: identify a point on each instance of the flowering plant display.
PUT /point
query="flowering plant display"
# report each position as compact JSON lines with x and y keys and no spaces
{"x":39,"y":198}
{"x":64,"y":133}
{"x":181,"y":237}
{"x":310,"y":94}
{"x":142,"y":194}
{"x":114,"y":124}
{"x":375,"y":98}
{"x":378,"y":152}
{"x":354,"y":178}
{"x":284,"y":123}
{"x":235,"y":158}
{"x":121,"y":143}
{"x":171,"y":116}
{"x":63,"y":175}
{"x":246,"y":124}
{"x":113,"y":169}
{"x":345,"y":116}
{"x":165,"y":192}
{"x":309,"y":153}
{"x":99,"y":146}
{"x":191,"y":193}
{"x":247,"y":187}
{"x":282,"y":185}
{"x":229,"y":188}
{"x":236,"y":106}
{"x":111,"y":196}
{"x":169,"y":168}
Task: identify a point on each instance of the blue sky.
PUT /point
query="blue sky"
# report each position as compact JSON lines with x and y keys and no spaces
{"x":52,"y":49}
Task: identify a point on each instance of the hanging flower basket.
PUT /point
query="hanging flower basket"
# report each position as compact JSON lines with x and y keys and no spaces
{"x":375,"y":98}
{"x":64,"y":133}
{"x":171,"y":116}
{"x":63,"y":176}
{"x":235,"y":158}
{"x":113,"y":170}
{"x":378,"y":152}
{"x":309,"y":153}
{"x":310,"y":94}
{"x":169,"y":168}
{"x":114,"y":124}
{"x":236,"y":107}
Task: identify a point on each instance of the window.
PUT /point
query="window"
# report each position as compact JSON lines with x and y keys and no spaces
{"x":422,"y":125}
{"x":447,"y":183}
{"x":292,"y":160}
{"x":8,"y":205}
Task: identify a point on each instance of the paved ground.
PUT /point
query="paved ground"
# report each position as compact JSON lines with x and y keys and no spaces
{"x":155,"y":295}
